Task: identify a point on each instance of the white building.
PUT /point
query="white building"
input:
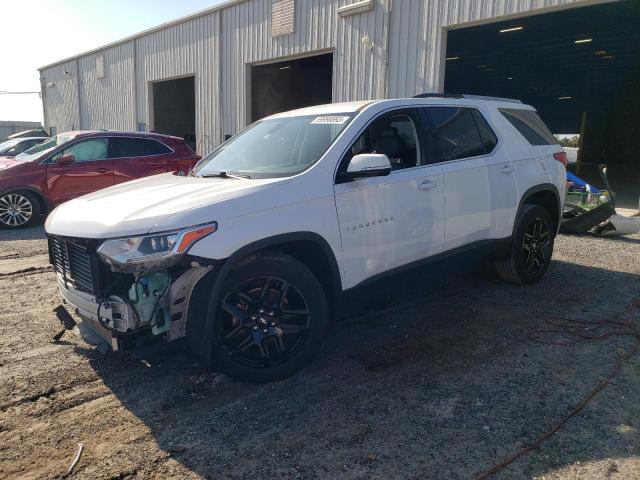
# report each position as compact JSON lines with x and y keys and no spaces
{"x":210,"y":74}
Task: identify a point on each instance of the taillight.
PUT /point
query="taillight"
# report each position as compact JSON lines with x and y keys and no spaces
{"x":561,"y":157}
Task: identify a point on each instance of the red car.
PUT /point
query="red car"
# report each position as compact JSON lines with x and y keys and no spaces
{"x":75,"y":163}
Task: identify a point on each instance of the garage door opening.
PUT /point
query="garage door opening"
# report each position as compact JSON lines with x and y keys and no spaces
{"x":174,"y":108}
{"x":579,"y":67}
{"x":282,"y":86}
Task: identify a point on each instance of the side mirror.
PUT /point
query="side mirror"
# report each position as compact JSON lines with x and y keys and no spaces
{"x":368,"y":165}
{"x":63,"y":160}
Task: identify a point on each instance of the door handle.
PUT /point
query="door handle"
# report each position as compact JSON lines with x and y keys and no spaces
{"x":427,"y":185}
{"x":102,"y":170}
{"x":507,"y":169}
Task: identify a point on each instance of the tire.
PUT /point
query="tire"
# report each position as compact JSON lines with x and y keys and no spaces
{"x":18,"y":209}
{"x":271,"y":319}
{"x":531,"y":248}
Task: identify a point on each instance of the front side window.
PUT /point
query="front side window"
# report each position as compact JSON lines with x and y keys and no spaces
{"x":279,"y":147}
{"x":127,"y":147}
{"x":530,"y":125}
{"x":393,"y":134}
{"x":455,"y":133}
{"x":88,"y":150}
{"x":44,"y":147}
{"x":7,"y":147}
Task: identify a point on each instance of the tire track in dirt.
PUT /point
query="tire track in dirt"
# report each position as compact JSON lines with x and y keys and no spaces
{"x":16,"y":255}
{"x":49,"y":392}
{"x":27,"y":271}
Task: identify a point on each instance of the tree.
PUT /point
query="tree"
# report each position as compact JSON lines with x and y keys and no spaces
{"x":569,"y":141}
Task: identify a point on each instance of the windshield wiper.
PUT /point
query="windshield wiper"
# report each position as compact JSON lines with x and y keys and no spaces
{"x":223,"y":175}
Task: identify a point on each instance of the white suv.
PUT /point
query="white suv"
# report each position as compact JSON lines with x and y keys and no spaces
{"x":247,"y":255}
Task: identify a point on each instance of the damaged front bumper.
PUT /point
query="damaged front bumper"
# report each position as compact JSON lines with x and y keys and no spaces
{"x":113,"y":321}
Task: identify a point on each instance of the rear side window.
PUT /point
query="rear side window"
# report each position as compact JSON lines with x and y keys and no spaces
{"x":530,"y":125}
{"x":456,"y":133}
{"x":488,"y":136}
{"x":124,"y":147}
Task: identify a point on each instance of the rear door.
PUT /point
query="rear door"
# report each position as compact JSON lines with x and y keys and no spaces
{"x":136,"y":157}
{"x":479,"y":185}
{"x":91,"y":170}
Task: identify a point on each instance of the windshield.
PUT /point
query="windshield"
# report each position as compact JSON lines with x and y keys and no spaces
{"x":43,"y":148}
{"x":279,"y":147}
{"x":6,"y":146}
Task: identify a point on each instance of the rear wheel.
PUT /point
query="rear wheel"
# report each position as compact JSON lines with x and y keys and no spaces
{"x":531,"y":247}
{"x":18,"y":209}
{"x":271,"y":320}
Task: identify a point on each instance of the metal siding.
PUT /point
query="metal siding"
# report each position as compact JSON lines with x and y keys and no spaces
{"x":62,"y":98}
{"x":189,"y":48}
{"x":358,"y":73}
{"x":108,"y":102}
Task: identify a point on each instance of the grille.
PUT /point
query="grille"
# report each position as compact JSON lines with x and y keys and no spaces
{"x":78,"y":266}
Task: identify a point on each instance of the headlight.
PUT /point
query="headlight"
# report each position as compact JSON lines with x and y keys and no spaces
{"x":152,"y":251}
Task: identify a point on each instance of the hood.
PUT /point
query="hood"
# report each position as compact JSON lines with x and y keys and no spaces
{"x":6,"y":162}
{"x":138,"y":206}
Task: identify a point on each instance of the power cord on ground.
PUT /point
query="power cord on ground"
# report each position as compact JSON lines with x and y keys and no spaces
{"x":572,"y":333}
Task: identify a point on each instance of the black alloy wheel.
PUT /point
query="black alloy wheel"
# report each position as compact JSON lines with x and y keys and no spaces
{"x":531,"y":247}
{"x":264,"y":322}
{"x":535,"y":246}
{"x":270,"y":320}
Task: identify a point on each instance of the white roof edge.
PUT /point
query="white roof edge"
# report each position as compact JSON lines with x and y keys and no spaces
{"x":135,"y":36}
{"x":324,"y":109}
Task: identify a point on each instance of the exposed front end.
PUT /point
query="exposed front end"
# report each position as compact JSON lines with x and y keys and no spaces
{"x":122,"y":298}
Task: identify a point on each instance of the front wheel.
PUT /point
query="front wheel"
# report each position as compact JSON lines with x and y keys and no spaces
{"x":18,"y":209}
{"x":271,"y":319}
{"x":531,"y":247}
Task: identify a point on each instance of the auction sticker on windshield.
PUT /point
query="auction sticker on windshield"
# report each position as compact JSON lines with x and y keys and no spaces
{"x":330,"y":119}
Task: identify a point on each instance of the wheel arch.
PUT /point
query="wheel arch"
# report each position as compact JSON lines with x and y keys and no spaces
{"x":311,"y":249}
{"x":545,"y":195}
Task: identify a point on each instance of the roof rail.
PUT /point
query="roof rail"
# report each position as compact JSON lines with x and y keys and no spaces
{"x":438,"y":95}
{"x":495,"y":99}
{"x":466,"y":95}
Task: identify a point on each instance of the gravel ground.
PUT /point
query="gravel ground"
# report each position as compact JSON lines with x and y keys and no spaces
{"x":433,"y":378}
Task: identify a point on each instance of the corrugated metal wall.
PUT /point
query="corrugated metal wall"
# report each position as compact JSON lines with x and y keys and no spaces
{"x":183,"y":50}
{"x":108,"y":102}
{"x":376,"y":54}
{"x":60,"y":97}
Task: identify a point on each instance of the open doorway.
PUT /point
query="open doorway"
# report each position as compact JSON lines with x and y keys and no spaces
{"x":579,"y":67}
{"x":174,"y":108}
{"x":285,"y":85}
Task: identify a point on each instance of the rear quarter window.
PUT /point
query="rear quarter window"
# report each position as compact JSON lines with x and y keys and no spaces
{"x":530,"y":126}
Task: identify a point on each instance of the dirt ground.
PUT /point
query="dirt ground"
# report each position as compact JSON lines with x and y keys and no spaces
{"x":436,"y":377}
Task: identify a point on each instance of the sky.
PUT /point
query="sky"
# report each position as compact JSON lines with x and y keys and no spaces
{"x":35,"y":33}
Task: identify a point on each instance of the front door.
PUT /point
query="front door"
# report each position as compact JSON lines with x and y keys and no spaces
{"x":387,"y":222}
{"x":91,"y":170}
